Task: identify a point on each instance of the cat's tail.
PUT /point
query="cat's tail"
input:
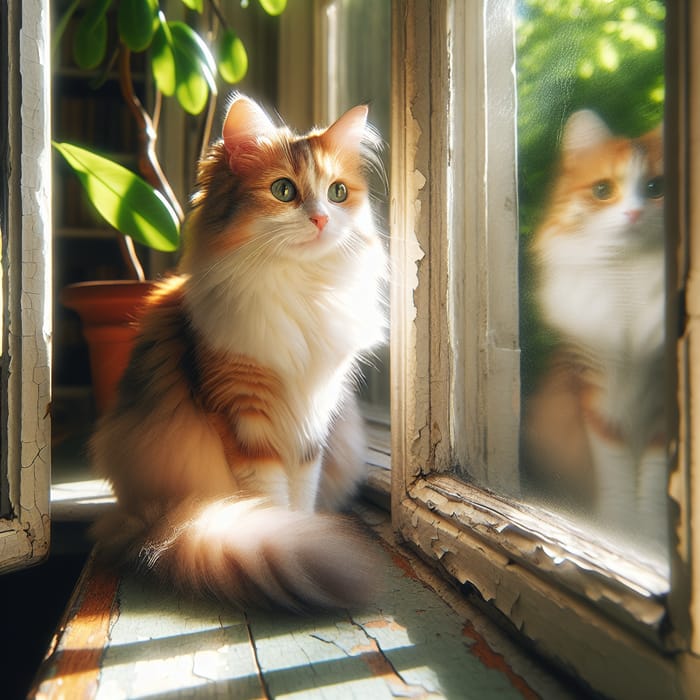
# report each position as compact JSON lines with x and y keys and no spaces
{"x":247,"y":553}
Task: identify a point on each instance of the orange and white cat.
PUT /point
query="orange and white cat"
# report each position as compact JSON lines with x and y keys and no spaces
{"x":599,"y":258}
{"x":236,"y":427}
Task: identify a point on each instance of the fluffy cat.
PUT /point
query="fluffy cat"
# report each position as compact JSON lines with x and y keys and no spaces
{"x":236,"y":424}
{"x":597,"y":420}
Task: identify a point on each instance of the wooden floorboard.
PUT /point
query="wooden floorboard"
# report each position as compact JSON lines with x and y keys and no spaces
{"x":129,"y":639}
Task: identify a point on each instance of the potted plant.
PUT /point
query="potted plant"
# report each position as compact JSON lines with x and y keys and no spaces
{"x":142,"y":207}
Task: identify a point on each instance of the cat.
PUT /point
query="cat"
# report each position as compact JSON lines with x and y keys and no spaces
{"x":597,"y":421}
{"x":236,"y":431}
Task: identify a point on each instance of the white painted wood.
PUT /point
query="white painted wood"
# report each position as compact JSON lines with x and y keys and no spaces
{"x":483,"y":244}
{"x":586,"y":607}
{"x":416,"y":638}
{"x":683,"y":152}
{"x":454,"y":236}
{"x":584,"y":639}
{"x":26,"y":266}
{"x":410,"y":368}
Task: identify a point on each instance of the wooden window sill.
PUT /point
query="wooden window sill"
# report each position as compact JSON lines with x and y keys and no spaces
{"x":123,"y":638}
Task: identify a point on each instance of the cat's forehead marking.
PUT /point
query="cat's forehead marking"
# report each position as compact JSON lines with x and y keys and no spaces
{"x":616,"y":159}
{"x":300,"y":155}
{"x":310,"y":163}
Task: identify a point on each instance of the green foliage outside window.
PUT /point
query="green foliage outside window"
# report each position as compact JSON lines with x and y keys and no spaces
{"x":605,"y":55}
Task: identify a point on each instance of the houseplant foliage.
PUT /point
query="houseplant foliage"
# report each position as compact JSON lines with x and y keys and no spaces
{"x":142,"y":206}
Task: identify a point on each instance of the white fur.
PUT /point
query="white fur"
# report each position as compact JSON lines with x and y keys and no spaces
{"x":306,"y":311}
{"x":602,"y":288}
{"x":301,"y":302}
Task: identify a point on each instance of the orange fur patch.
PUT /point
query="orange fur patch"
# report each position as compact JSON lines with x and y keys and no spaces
{"x":235,"y":199}
{"x":579,"y":170}
{"x":241,"y":398}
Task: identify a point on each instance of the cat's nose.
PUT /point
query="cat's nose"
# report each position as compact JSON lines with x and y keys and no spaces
{"x":633,"y":215}
{"x":319,"y":221}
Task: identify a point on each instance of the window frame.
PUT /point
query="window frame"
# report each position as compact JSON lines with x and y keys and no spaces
{"x":616,"y":630}
{"x":25,"y":383}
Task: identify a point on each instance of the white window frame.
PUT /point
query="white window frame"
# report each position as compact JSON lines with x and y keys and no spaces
{"x":616,"y":629}
{"x":26,"y":264}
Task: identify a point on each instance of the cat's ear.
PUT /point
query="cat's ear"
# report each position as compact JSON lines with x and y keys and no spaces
{"x":583,"y":130}
{"x":348,"y":131}
{"x":245,"y":126}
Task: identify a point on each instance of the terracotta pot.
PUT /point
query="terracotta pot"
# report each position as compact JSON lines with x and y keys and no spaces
{"x":107,"y":311}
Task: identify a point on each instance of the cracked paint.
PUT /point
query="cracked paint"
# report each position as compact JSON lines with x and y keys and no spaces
{"x":480,"y":648}
{"x":26,"y":264}
{"x":407,"y":644}
{"x":380,"y":667}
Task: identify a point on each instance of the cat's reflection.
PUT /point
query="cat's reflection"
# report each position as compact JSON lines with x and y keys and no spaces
{"x":594,"y":428}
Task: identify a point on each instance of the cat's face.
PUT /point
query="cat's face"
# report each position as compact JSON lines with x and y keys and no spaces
{"x":608,"y":198}
{"x":266,"y":191}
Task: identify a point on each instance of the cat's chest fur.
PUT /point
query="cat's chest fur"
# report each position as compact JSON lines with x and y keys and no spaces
{"x":614,"y":308}
{"x":613,"y":316}
{"x":304,"y":321}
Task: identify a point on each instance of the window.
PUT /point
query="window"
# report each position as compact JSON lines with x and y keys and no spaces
{"x":592,"y":269}
{"x":25,"y":262}
{"x":462,"y":494}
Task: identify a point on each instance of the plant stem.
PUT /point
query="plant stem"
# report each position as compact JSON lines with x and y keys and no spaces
{"x":208,"y":121}
{"x":219,"y":14}
{"x":128,"y":251}
{"x":148,"y":162}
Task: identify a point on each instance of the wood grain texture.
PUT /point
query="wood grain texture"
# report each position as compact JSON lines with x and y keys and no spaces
{"x":71,"y":668}
{"x":139,"y":640}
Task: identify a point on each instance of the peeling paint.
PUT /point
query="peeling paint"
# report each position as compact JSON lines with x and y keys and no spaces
{"x":403,"y":564}
{"x":380,"y":667}
{"x":27,"y":264}
{"x":584,"y":633}
{"x":480,"y":648}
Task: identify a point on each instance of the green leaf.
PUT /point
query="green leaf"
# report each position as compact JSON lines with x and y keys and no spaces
{"x":137,"y":22}
{"x":183,"y":65}
{"x":163,"y":60}
{"x":196,"y":5}
{"x":90,"y":44}
{"x":90,"y":40}
{"x":192,"y":90}
{"x":233,"y":59}
{"x":189,"y":43}
{"x":124,"y":199}
{"x":273,"y":7}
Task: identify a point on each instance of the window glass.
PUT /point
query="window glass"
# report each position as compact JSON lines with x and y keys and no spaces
{"x":590,"y":100}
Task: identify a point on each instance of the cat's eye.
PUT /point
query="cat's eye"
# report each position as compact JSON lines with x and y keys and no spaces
{"x":603,"y":189}
{"x":283,"y":189}
{"x":655,"y":187}
{"x":337,"y":192}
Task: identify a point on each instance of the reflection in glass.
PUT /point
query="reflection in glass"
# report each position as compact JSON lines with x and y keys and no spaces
{"x":590,"y":104}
